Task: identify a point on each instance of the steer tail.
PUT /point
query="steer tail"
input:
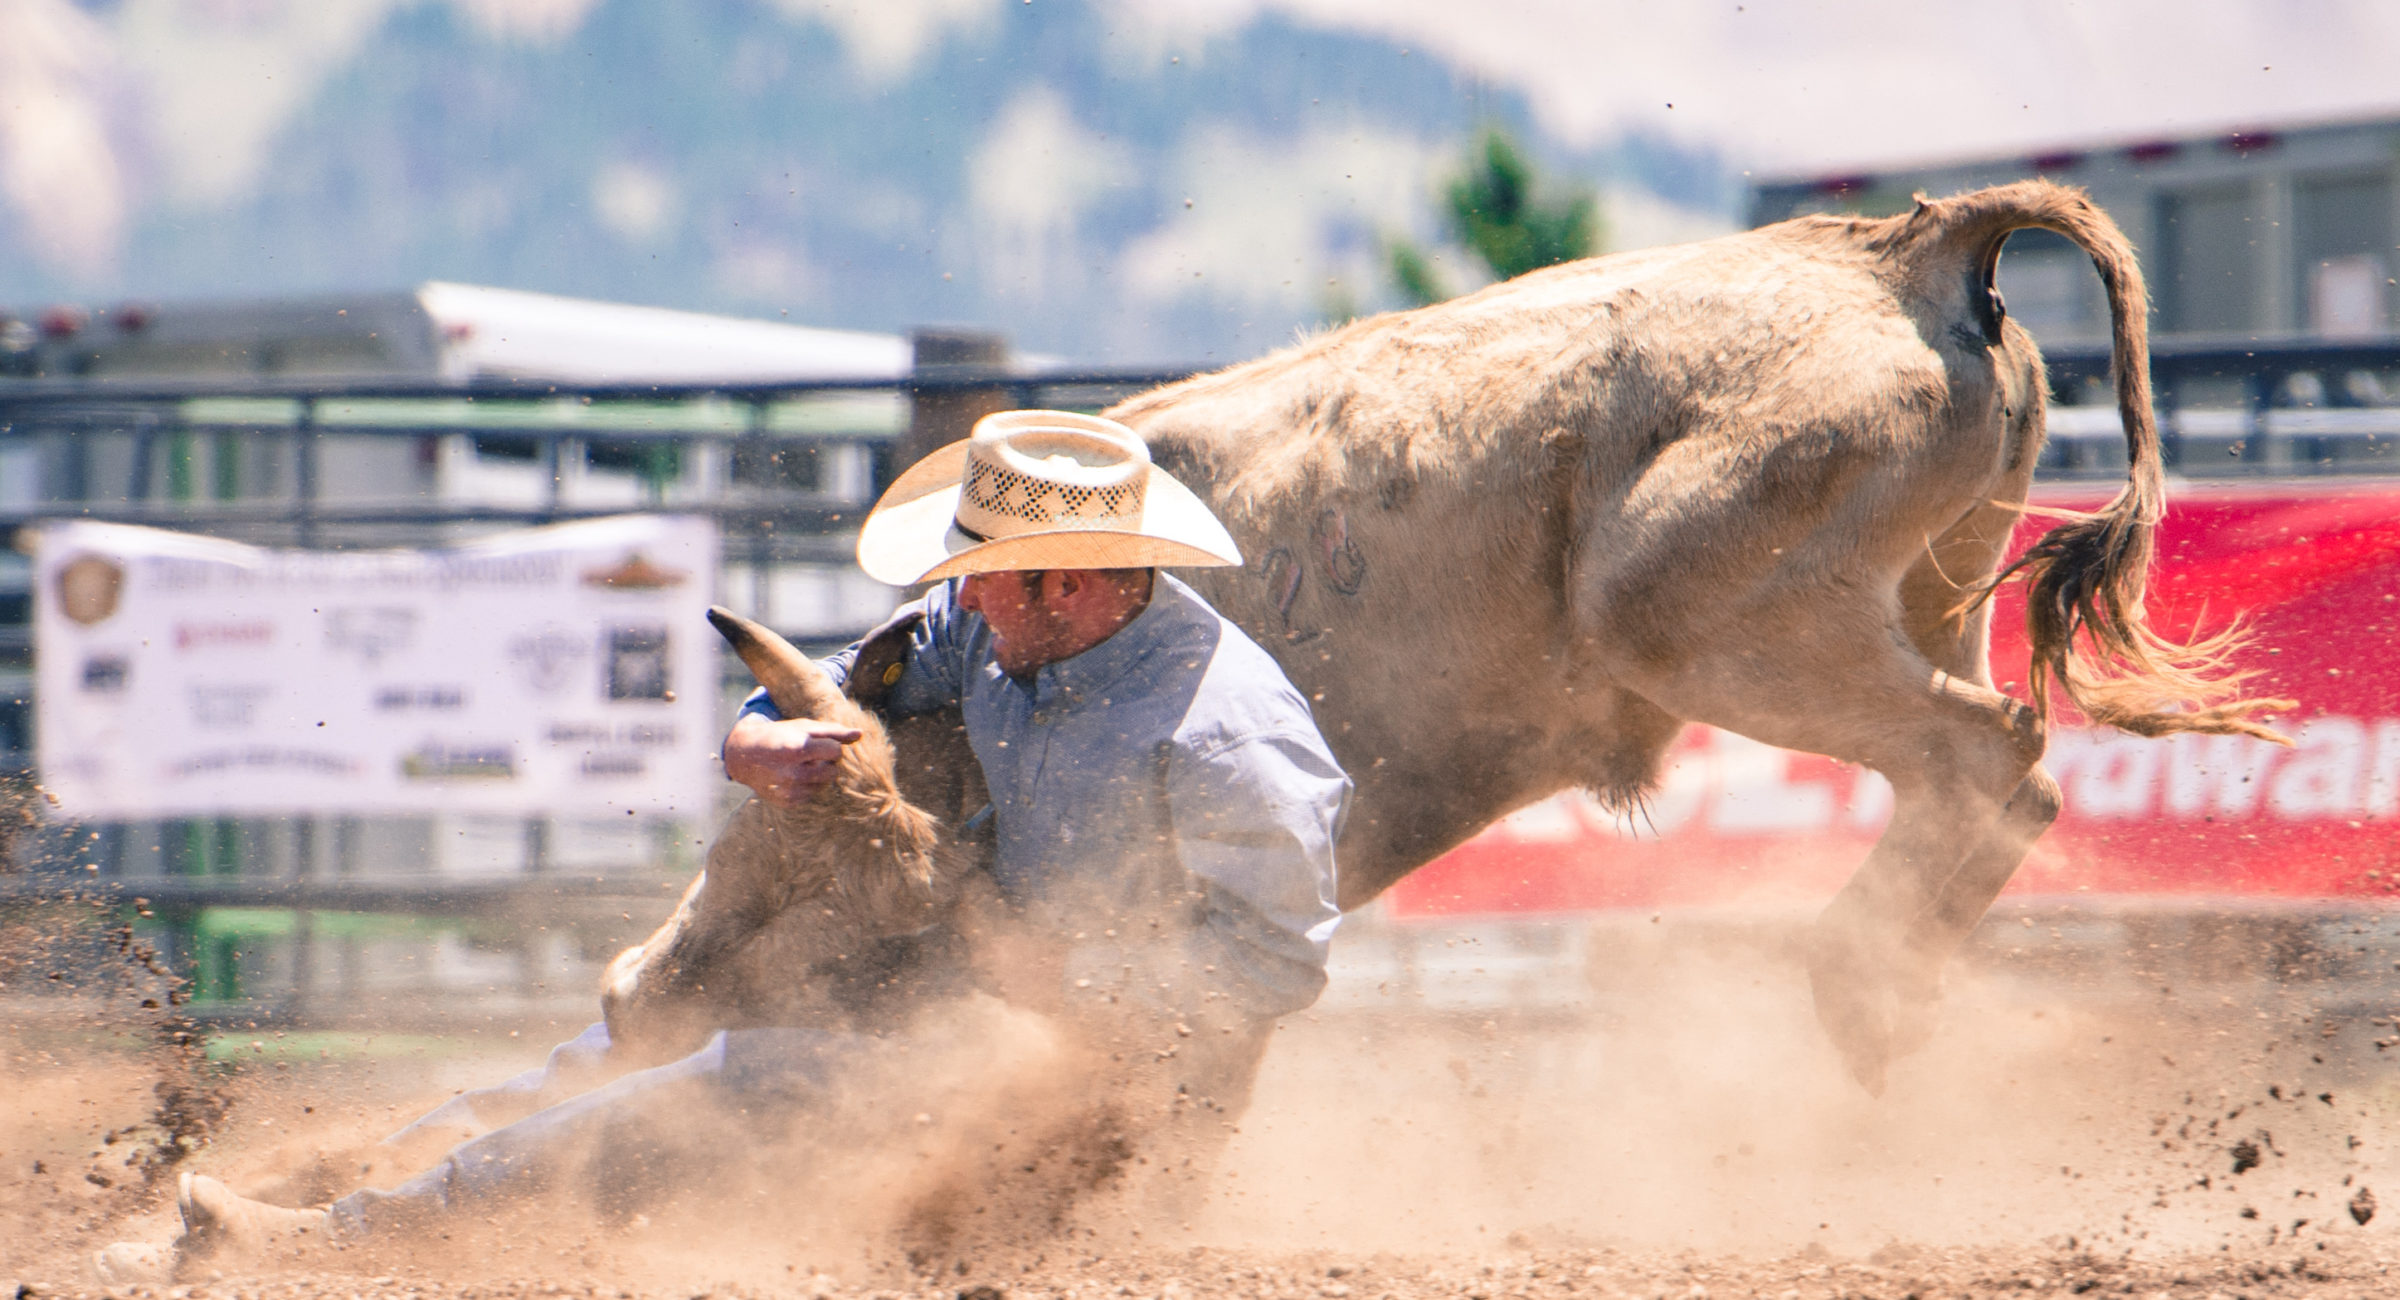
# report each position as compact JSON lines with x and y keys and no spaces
{"x":799,"y":688}
{"x":2085,"y":578}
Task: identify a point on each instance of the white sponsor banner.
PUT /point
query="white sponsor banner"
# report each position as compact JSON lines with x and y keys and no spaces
{"x":560,"y":671}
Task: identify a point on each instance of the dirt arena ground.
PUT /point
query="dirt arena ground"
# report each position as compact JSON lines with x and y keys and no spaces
{"x":1687,"y":1135}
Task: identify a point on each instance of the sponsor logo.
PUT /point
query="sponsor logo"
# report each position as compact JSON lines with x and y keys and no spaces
{"x":394,"y":699}
{"x":614,"y":763}
{"x":2337,"y":768}
{"x":637,"y":663}
{"x":265,"y":758}
{"x":639,"y":734}
{"x":246,"y":634}
{"x":88,"y":587}
{"x":546,"y":657}
{"x":634,"y":573}
{"x":435,"y":761}
{"x":106,"y":674}
{"x":370,"y":633}
{"x":226,"y":708}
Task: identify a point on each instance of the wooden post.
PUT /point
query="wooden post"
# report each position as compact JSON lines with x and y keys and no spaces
{"x":938,"y":417}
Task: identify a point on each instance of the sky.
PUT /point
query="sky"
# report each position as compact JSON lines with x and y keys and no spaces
{"x":1800,"y":86}
{"x":106,"y":105}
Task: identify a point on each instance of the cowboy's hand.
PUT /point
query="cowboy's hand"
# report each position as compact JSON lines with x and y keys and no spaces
{"x":785,"y":763}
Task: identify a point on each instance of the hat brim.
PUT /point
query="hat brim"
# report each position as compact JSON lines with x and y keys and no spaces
{"x":911,"y":536}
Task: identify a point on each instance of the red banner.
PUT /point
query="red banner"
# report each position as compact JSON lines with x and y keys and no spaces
{"x":2315,"y":571}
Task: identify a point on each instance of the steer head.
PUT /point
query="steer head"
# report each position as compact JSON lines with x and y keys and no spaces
{"x":798,"y":687}
{"x":788,"y":890}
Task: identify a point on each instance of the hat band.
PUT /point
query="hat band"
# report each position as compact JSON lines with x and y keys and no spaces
{"x":1000,"y":501}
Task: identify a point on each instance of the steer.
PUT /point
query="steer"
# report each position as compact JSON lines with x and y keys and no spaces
{"x":1512,"y":543}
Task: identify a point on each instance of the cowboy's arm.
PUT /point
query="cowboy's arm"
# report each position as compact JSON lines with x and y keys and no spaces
{"x":1255,"y":824}
{"x":785,"y":761}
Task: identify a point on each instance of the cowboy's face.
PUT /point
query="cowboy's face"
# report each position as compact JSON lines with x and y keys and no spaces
{"x":1027,"y":627}
{"x":1041,"y":616}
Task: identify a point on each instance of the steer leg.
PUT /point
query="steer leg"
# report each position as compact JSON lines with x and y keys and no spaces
{"x":1952,"y":629}
{"x":1876,"y":955}
{"x":1955,"y":751}
{"x":1960,"y":901}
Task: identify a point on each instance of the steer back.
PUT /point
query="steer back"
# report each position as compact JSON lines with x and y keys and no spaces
{"x":789,"y":892}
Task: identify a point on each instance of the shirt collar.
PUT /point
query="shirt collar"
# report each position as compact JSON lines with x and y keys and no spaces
{"x":1100,"y":666}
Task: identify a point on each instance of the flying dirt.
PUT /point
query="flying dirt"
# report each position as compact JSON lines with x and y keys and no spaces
{"x":1684,"y":1128}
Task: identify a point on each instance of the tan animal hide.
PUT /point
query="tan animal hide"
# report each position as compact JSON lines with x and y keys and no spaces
{"x":787,"y":890}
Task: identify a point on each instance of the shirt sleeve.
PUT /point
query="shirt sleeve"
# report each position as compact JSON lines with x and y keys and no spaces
{"x":931,"y":672}
{"x":1255,"y":824}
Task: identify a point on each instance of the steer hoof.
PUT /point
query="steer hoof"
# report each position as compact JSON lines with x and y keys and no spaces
{"x":1876,"y":1005}
{"x":1859,"y":1028}
{"x":1916,"y":1013}
{"x":1855,"y":1004}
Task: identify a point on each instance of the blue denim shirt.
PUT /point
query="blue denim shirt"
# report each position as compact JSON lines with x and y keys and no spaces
{"x":1163,"y":801}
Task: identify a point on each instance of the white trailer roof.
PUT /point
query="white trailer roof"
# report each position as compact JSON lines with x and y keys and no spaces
{"x":456,"y":332}
{"x":482,"y":331}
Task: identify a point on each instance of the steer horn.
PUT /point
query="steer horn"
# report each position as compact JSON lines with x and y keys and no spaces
{"x":798,"y":687}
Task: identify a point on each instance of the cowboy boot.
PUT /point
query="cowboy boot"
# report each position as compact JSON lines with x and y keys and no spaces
{"x":216,"y":1220}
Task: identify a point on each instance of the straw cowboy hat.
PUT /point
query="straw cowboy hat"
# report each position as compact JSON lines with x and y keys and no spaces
{"x":1038,"y":490}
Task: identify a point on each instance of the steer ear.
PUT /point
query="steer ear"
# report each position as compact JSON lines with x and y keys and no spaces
{"x":799,"y":688}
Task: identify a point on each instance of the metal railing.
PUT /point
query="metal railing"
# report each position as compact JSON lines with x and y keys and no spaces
{"x":545,"y":415}
{"x":265,"y":915}
{"x":2235,"y":406}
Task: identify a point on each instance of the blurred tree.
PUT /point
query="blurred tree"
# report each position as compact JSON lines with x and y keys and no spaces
{"x":1413,"y":272}
{"x":1491,"y":209}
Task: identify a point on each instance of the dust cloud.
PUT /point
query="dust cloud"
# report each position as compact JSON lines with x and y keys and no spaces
{"x":1697,"y":1106}
{"x":1680,"y":1129}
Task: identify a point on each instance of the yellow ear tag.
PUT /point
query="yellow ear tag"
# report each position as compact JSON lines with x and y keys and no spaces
{"x":891,"y":675}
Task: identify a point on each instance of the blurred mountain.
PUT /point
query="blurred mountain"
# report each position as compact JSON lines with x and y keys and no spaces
{"x":1094,"y":183}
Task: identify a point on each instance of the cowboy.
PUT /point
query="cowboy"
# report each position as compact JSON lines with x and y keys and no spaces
{"x":1163,"y":814}
{"x":1142,"y":753}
